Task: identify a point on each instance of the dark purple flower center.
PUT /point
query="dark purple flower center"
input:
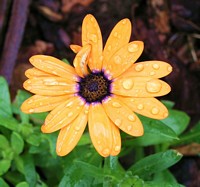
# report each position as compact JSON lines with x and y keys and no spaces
{"x":94,"y":87}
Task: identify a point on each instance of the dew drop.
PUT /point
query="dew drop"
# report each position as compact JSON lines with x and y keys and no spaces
{"x":29,"y":81}
{"x":169,"y":68}
{"x":154,"y":110}
{"x":152,"y":73}
{"x":31,"y":110}
{"x":69,"y":104}
{"x":124,"y":21}
{"x":131,"y":117}
{"x":92,"y":37}
{"x":116,"y":104}
{"x":109,"y":48}
{"x":77,"y":128}
{"x":140,"y":106}
{"x":165,"y":114}
{"x":118,"y":122}
{"x":30,"y":101}
{"x":119,"y":36}
{"x":54,"y":72}
{"x":117,"y":148}
{"x":99,"y":142}
{"x":129,"y":127}
{"x":127,"y":84}
{"x":70,"y":114}
{"x":115,"y":34}
{"x":117,"y":59}
{"x":86,"y":111}
{"x":156,"y":66}
{"x":133,"y":48}
{"x":139,"y":67}
{"x":153,"y":86}
{"x":106,"y":151}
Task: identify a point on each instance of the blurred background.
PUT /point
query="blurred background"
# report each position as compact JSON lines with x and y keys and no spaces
{"x":170,"y":30}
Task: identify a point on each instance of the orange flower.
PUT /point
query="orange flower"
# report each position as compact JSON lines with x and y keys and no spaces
{"x":104,"y":88}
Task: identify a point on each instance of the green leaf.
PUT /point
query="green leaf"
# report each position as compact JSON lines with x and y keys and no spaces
{"x":9,"y":123}
{"x":3,"y":142}
{"x":3,"y":183}
{"x":155,"y":163}
{"x":168,"y":104}
{"x":17,"y":143}
{"x":66,"y":61}
{"x":19,"y":99}
{"x":130,"y":180}
{"x":177,"y":121}
{"x":190,"y":137}
{"x":19,"y":163}
{"x":34,"y":139}
{"x":85,"y":139}
{"x":165,"y":178}
{"x":155,"y":132}
{"x":5,"y":104}
{"x":4,"y":166}
{"x":29,"y":170}
{"x":22,"y":184}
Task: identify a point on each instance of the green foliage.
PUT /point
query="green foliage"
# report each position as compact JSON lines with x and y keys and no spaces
{"x":28,"y":157}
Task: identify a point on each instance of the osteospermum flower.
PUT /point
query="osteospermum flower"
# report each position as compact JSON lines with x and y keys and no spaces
{"x":104,"y":89}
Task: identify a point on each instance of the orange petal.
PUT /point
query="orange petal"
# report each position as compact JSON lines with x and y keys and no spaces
{"x":123,"y":117}
{"x":149,"y":107}
{"x":50,"y":86}
{"x":116,"y":145}
{"x":62,"y":115}
{"x":153,"y":69}
{"x":119,"y":37}
{"x":71,"y":134}
{"x":38,"y":103}
{"x":124,"y":58}
{"x":91,"y":34}
{"x":54,"y":66}
{"x":34,"y":72}
{"x":81,"y":61}
{"x":100,"y":130}
{"x":75,"y":48}
{"x":140,"y":87}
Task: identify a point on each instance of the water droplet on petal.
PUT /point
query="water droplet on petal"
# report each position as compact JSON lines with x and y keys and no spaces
{"x":119,"y":36}
{"x":116,"y":104}
{"x":153,"y":86}
{"x":86,"y":111}
{"x":30,"y":101}
{"x":92,"y":37}
{"x":152,"y":73}
{"x":109,"y":48}
{"x":127,"y":84}
{"x":117,"y":59}
{"x":131,"y":117}
{"x":115,"y":34}
{"x":98,"y":142}
{"x":31,"y":110}
{"x":140,"y":106}
{"x":169,"y":68}
{"x":139,"y":67}
{"x":133,"y":48}
{"x":156,"y":66}
{"x":129,"y":127}
{"x":124,"y":21}
{"x":154,"y":110}
{"x":165,"y":114}
{"x":106,"y":151}
{"x":69,"y":104}
{"x":118,"y":122}
{"x":117,"y":148}
{"x":77,"y":128}
{"x":70,"y":114}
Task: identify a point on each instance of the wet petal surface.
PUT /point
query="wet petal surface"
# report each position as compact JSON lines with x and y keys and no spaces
{"x":91,"y":34}
{"x":149,"y":107}
{"x":140,"y":87}
{"x":38,"y":103}
{"x":100,"y":130}
{"x":123,"y":117}
{"x":54,"y":66}
{"x":116,"y":40}
{"x":50,"y":86}
{"x":62,"y":115}
{"x":71,"y":134}
{"x":124,"y":58}
{"x":153,"y":69}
